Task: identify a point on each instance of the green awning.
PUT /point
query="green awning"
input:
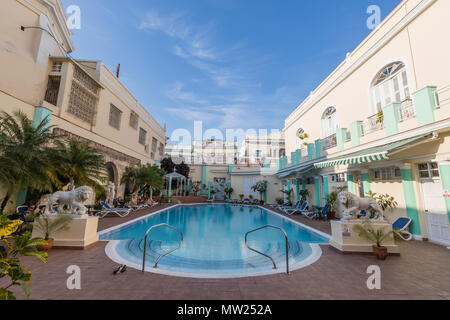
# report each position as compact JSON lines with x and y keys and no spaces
{"x":369,"y":155}
{"x":295,"y":170}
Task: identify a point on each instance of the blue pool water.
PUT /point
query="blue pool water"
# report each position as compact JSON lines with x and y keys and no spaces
{"x":214,"y":244}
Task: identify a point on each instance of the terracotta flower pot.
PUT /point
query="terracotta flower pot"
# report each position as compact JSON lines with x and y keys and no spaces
{"x":332,"y":215}
{"x":380,"y":252}
{"x":46,"y":247}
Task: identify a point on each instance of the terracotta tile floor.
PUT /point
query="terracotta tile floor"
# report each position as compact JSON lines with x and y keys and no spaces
{"x":421,"y":272}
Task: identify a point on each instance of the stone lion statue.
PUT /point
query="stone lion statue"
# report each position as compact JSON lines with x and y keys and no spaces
{"x":72,"y":200}
{"x":354,"y":204}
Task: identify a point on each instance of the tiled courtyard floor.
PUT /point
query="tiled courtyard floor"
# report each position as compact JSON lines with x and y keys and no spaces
{"x":421,"y":272}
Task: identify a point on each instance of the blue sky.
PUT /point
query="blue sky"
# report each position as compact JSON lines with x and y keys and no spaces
{"x":230,"y":63}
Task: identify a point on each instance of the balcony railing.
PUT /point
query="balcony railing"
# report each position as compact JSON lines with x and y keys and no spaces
{"x":373,"y":124}
{"x":329,"y":142}
{"x":442,"y":96}
{"x":407,"y":110}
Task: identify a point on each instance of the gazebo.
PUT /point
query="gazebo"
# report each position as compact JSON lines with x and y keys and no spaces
{"x":182,"y":184}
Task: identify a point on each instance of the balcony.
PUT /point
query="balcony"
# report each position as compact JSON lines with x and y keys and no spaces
{"x":407,"y":110}
{"x":373,"y":124}
{"x":329,"y":142}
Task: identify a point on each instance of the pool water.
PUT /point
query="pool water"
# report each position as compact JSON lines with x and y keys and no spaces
{"x":214,"y":242}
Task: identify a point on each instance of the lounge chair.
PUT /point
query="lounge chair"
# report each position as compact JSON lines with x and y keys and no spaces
{"x":121,"y":212}
{"x":289,"y":206}
{"x":317,"y":214}
{"x":400,"y":227}
{"x":298,"y":209}
{"x":246,"y":201}
{"x":255,"y":202}
{"x":276,"y":206}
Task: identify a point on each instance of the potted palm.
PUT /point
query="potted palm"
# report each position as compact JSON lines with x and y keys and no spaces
{"x":228,"y":191}
{"x":377,"y":236}
{"x":332,"y":202}
{"x":48,"y":226}
{"x":260,"y":187}
{"x":241,"y":196}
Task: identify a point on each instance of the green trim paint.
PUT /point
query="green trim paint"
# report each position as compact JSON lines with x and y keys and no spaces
{"x":298,"y":156}
{"x":366,"y":182}
{"x":293,"y":156}
{"x":204,"y":172}
{"x":317,"y":188}
{"x":311,"y":151}
{"x":410,"y":200}
{"x":169,"y":191}
{"x":391,"y":114}
{"x":297,"y":182}
{"x":341,"y":137}
{"x":326,"y":190}
{"x":318,"y":146}
{"x":351,"y":183}
{"x":445,"y":178}
{"x":304,"y":184}
{"x":356,"y":132}
{"x":425,"y":105}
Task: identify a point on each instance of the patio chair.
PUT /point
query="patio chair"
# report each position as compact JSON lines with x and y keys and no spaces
{"x":401,"y":226}
{"x":255,"y":202}
{"x":298,"y":209}
{"x":275,"y":206}
{"x":246,"y":201}
{"x":121,"y":212}
{"x":317,"y":214}
{"x":289,"y":206}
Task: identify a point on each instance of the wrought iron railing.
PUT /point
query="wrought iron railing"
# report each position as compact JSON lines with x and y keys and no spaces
{"x":373,"y":124}
{"x":407,"y":110}
{"x":329,"y":142}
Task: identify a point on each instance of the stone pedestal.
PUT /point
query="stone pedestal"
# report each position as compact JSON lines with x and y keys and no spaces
{"x":346,"y":240}
{"x":81,"y":234}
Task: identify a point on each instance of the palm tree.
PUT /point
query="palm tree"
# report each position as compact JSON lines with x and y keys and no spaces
{"x":144,"y":178}
{"x":79,"y":163}
{"x":24,"y":155}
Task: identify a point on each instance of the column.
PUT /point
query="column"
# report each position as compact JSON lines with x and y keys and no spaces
{"x":425,"y":103}
{"x":341,"y":137}
{"x":298,"y":156}
{"x":265,"y":193}
{"x":365,"y":175}
{"x":318,"y":146}
{"x":289,"y":188}
{"x":410,"y":198}
{"x":209,"y":190}
{"x":298,"y":189}
{"x":356,"y":132}
{"x":169,"y":191}
{"x":204,"y":172}
{"x":311,"y":151}
{"x":317,"y":188}
{"x":293,"y":158}
{"x":351,"y":183}
{"x":391,"y":114}
{"x":444,"y":169}
{"x":326,"y":190}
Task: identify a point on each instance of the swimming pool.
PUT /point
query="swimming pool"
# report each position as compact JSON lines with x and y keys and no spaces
{"x":214,"y":242}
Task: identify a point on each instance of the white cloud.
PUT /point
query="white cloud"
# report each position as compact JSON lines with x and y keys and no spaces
{"x":177,"y":93}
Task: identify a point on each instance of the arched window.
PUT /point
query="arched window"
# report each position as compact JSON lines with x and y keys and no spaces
{"x":390,"y":85}
{"x":329,"y":122}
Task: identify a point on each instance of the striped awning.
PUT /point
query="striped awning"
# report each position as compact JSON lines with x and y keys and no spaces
{"x":374,"y":154}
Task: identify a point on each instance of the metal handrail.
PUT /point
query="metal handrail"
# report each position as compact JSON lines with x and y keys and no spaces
{"x":164,"y":254}
{"x":273,"y":261}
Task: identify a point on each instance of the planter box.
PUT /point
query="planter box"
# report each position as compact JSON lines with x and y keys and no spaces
{"x":82,"y":233}
{"x":347,"y":240}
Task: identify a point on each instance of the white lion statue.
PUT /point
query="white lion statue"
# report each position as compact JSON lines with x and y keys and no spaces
{"x":355,"y":204}
{"x":73,"y":200}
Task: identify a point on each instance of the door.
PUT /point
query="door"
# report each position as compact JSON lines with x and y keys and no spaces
{"x":435,"y":211}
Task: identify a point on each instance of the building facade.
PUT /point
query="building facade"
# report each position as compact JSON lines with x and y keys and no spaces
{"x":263,"y":149}
{"x":384,"y":117}
{"x":82,"y":99}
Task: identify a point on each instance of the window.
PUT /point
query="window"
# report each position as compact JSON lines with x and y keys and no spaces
{"x":428,"y":170}
{"x":161,"y":149}
{"x":84,"y":95}
{"x":57,"y":67}
{"x":329,"y":122}
{"x":388,"y":173}
{"x":115,"y":117}
{"x":154,"y":144}
{"x":142,"y":136}
{"x":389,"y":86}
{"x":51,"y":95}
{"x":134,"y":120}
{"x":340,"y":177}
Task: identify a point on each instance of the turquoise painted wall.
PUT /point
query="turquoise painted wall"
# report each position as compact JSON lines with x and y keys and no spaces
{"x":391,"y":118}
{"x":410,"y":200}
{"x":310,"y":151}
{"x":326,"y":191}
{"x":318,"y":147}
{"x":350,"y":184}
{"x":298,"y":156}
{"x":425,"y":104}
{"x":366,"y":182}
{"x":341,"y":136}
{"x":356,"y":133}
{"x":317,"y":188}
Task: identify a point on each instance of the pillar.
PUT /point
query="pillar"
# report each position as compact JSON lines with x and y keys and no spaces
{"x":351,"y":183}
{"x":356,"y":133}
{"x":365,"y":175}
{"x":318,"y":146}
{"x":209,"y":190}
{"x":391,"y":114}
{"x":298,"y":156}
{"x":293,"y":158}
{"x":204,"y":172}
{"x":298,"y":189}
{"x":341,"y":137}
{"x":425,"y":103}
{"x":317,"y":188}
{"x":410,"y":198}
{"x":169,"y":191}
{"x":311,"y":151}
{"x":326,"y":190}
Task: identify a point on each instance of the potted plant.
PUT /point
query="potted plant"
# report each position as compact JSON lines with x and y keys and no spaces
{"x":384,"y":201}
{"x":332,"y":202}
{"x":279,"y":201}
{"x":48,"y":226}
{"x":260,"y":187}
{"x":304,"y":194}
{"x":241,"y":196}
{"x":251,"y":197}
{"x":288,"y":193}
{"x":377,"y":236}
{"x":228,"y":191}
